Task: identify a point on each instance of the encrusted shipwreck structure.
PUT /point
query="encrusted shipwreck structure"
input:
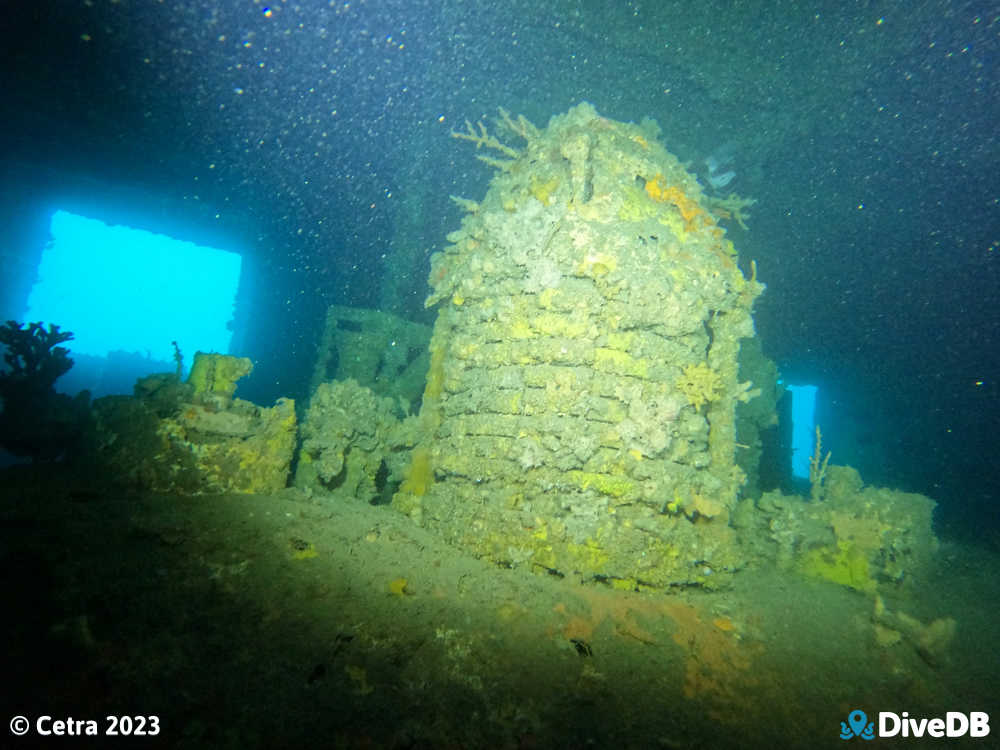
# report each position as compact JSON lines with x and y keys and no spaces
{"x":377,"y":349}
{"x":579,"y":407}
{"x":193,"y":438}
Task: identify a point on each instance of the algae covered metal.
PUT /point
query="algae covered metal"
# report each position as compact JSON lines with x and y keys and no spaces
{"x":579,"y":408}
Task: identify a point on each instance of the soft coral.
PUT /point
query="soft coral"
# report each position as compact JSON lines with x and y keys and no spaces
{"x":34,"y":359}
{"x":36,"y":421}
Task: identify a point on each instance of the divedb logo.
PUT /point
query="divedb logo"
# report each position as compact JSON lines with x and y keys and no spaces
{"x":974,"y":724}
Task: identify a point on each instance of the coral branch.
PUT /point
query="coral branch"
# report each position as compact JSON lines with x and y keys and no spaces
{"x":817,"y":467}
{"x":483,"y":138}
{"x":731,"y":207}
{"x":522,"y":126}
{"x":465,"y":204}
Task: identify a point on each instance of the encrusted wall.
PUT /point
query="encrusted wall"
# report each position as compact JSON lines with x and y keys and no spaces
{"x":579,"y":407}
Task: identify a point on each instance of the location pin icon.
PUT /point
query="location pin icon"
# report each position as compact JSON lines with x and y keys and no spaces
{"x":857,"y":720}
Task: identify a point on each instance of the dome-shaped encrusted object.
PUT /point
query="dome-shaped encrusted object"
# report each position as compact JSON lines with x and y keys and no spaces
{"x":579,"y":407}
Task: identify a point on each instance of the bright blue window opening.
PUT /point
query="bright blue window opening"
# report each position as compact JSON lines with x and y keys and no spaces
{"x":803,"y":428}
{"x":129,"y":292}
